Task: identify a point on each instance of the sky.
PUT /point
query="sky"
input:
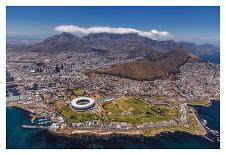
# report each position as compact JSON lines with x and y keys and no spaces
{"x":192,"y":24}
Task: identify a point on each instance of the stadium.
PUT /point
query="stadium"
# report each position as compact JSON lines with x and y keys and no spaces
{"x":82,"y":103}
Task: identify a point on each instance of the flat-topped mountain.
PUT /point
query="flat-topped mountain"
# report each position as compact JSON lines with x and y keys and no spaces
{"x":162,"y":66}
{"x":130,"y":42}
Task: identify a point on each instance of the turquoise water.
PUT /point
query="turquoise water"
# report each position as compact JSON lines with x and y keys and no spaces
{"x":18,"y":137}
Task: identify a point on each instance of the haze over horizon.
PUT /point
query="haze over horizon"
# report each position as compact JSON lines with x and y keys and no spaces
{"x":200,"y":25}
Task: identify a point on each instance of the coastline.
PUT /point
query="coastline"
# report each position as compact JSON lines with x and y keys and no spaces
{"x":20,"y":107}
{"x":135,"y":132}
{"x":46,"y":139}
{"x":86,"y":132}
{"x":204,"y":102}
{"x":108,"y":133}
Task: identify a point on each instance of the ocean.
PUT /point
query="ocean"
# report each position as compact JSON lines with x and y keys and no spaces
{"x":215,"y":57}
{"x":21,"y":138}
{"x":17,"y":137}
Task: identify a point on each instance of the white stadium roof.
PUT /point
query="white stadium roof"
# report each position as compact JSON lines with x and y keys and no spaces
{"x":90,"y":103}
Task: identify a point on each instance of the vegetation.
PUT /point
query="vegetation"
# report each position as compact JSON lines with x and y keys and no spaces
{"x":78,"y":92}
{"x":78,"y":117}
{"x":193,"y":127}
{"x":136,"y":111}
{"x":201,"y":102}
{"x":113,"y":108}
{"x":162,"y":66}
{"x":204,"y":102}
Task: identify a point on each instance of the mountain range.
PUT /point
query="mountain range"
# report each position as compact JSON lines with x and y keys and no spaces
{"x":130,"y":42}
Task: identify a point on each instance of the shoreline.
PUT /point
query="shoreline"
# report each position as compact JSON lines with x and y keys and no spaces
{"x":97,"y":133}
{"x":107,"y":133}
{"x":206,"y":103}
{"x":101,"y":133}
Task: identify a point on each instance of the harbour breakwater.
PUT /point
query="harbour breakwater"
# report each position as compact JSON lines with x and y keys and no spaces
{"x":18,"y":137}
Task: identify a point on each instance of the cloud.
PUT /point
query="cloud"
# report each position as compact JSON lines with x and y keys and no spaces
{"x":154,"y":34}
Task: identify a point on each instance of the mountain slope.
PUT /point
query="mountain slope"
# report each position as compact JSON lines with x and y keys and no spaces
{"x":58,"y":43}
{"x":166,"y":64}
{"x":130,"y":42}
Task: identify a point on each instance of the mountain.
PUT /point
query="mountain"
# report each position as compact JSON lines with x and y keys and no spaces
{"x":58,"y":43}
{"x":129,"y":43}
{"x":199,"y":49}
{"x":160,"y":67}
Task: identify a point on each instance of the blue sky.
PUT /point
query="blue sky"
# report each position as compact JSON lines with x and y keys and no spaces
{"x":193,"y":24}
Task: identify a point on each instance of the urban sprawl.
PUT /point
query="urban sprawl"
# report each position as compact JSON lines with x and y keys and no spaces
{"x":45,"y":84}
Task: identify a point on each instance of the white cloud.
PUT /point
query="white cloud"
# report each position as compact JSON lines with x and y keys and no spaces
{"x":155,"y":34}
